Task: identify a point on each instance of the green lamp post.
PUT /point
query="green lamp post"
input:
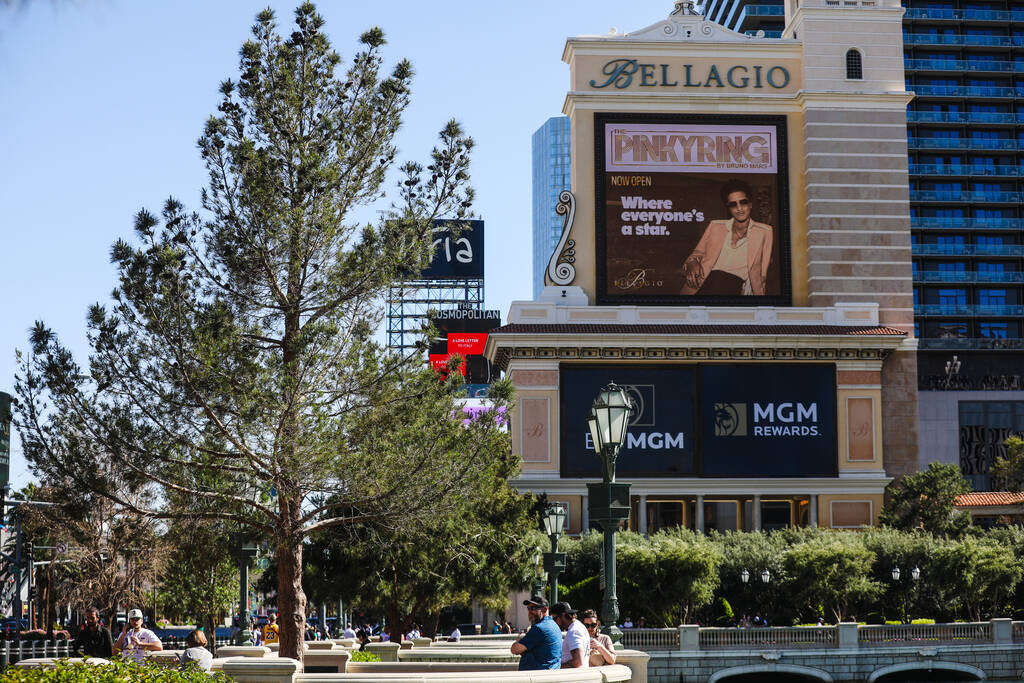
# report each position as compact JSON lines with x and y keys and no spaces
{"x":245,"y":553}
{"x":609,"y":500}
{"x":554,"y":562}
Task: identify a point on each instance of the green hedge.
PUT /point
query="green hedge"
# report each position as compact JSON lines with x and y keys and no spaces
{"x":364,"y":656}
{"x":115,"y":672}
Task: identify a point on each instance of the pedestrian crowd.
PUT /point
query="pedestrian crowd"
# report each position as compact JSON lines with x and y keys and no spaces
{"x":544,"y":646}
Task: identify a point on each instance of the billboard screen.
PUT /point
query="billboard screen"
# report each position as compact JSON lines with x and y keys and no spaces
{"x":660,"y":440}
{"x":708,"y":420}
{"x":692,"y":209}
{"x":456,"y":256}
{"x":464,"y":332}
{"x":768,"y":420}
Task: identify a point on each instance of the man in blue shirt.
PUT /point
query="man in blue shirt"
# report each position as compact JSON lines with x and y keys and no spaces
{"x":541,"y":646}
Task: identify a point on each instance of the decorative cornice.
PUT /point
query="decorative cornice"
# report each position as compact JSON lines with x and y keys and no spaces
{"x":613,"y":351}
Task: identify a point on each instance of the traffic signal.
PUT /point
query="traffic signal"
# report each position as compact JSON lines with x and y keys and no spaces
{"x":26,"y":549}
{"x":31,"y":592}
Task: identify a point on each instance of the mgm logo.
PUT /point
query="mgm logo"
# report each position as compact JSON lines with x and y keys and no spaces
{"x":730,"y":419}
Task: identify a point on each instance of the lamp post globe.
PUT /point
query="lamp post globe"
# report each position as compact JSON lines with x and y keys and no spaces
{"x":608,"y":500}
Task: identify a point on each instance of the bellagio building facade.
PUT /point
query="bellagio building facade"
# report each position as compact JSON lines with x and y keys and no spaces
{"x":737,"y":254}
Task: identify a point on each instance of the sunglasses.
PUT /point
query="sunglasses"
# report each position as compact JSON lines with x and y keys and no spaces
{"x":737,"y":204}
{"x":590,"y":624}
{"x":534,"y":608}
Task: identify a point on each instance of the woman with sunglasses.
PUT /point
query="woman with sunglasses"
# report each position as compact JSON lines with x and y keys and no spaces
{"x":602,"y":650}
{"x":733,"y":255}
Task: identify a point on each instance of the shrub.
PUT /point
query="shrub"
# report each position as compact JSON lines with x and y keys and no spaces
{"x":114,"y":672}
{"x":364,"y":656}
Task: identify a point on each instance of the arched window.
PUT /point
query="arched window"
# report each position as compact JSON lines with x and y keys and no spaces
{"x":854,"y":64}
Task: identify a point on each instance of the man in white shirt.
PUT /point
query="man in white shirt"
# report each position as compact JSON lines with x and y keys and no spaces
{"x":349,"y":632}
{"x":576,"y":643}
{"x":135,"y":640}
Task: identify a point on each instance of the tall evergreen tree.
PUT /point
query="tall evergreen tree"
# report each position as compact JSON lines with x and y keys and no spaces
{"x":235,"y":366}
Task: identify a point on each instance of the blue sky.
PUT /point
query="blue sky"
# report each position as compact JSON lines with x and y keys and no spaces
{"x":101,"y":102}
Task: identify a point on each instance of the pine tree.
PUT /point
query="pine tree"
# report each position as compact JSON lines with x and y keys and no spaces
{"x":235,"y":367}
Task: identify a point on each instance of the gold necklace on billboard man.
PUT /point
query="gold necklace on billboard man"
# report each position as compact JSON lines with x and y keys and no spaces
{"x":739,"y":249}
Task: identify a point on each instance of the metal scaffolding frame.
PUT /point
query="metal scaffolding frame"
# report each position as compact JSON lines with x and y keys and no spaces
{"x":409,"y":302}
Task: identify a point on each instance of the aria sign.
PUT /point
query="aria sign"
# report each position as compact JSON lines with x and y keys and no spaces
{"x":622,"y":73}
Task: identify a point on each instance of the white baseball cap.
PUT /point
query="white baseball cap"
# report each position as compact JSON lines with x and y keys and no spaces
{"x":135,"y":614}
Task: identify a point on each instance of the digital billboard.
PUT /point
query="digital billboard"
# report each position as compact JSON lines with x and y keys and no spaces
{"x":464,"y":332}
{"x":708,"y":420}
{"x":691,"y":209}
{"x":456,"y":256}
{"x":775,"y":420}
{"x":660,"y":441}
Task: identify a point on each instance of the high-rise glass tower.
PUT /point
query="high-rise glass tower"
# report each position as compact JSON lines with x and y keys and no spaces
{"x":964,"y":60}
{"x":550,"y":176}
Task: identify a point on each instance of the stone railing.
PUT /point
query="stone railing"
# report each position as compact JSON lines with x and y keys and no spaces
{"x":846,"y":636}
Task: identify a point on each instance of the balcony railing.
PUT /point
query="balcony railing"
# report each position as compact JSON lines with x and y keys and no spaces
{"x":978,"y":343}
{"x":966,"y":91}
{"x":764,"y":11}
{"x":974,"y":310}
{"x":932,"y":39}
{"x":966,"y":170}
{"x":963,"y":117}
{"x":961,"y":65}
{"x":963,"y":14}
{"x":964,"y":196}
{"x":964,"y":143}
{"x":966,"y":276}
{"x":968,"y":250}
{"x":930,"y":222}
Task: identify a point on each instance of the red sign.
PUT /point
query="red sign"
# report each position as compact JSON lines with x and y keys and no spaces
{"x":467,"y":343}
{"x":439,"y":361}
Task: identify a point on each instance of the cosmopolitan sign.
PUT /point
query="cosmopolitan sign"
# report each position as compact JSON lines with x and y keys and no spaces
{"x":623,"y":73}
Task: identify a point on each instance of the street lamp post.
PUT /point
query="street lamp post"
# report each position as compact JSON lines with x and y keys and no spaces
{"x":766,"y":577}
{"x":539,"y":579}
{"x":246,"y":552}
{"x":915,"y":574}
{"x":609,"y":500}
{"x":554,"y":562}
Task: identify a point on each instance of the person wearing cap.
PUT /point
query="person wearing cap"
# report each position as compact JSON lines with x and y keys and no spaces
{"x":576,"y":644}
{"x":541,"y":646}
{"x":135,"y":640}
{"x":271,"y":631}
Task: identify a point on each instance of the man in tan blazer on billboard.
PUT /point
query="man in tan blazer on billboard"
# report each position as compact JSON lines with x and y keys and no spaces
{"x":733,"y":255}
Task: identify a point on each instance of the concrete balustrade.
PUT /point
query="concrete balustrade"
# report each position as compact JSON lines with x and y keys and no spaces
{"x":601,"y":674}
{"x":226,"y":651}
{"x":388,"y":652}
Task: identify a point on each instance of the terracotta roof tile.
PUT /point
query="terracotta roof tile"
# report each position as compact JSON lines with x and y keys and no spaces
{"x":746,"y":330}
{"x":989,"y":498}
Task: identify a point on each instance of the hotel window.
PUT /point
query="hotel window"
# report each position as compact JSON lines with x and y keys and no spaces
{"x":990,"y":240}
{"x":854,"y":65}
{"x":991,"y":268}
{"x":991,"y":297}
{"x":993,"y":330}
{"x":952,"y":297}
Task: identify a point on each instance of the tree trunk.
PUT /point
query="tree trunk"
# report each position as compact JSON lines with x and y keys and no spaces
{"x":211,"y":628}
{"x":291,"y":600}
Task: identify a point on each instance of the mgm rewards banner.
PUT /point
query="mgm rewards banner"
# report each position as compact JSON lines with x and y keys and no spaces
{"x":692,"y":210}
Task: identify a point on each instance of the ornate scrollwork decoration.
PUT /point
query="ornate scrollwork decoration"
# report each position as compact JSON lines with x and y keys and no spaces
{"x":560,"y":268}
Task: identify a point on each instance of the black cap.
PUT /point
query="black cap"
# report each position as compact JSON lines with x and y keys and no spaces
{"x":536,"y":601}
{"x":561,"y":608}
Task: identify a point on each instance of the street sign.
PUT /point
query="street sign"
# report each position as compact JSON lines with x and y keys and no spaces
{"x":263,"y":563}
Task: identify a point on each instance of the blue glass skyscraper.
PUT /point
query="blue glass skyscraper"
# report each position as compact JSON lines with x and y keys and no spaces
{"x":550,"y":176}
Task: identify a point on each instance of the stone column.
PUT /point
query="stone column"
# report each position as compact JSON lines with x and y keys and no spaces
{"x":813,"y":516}
{"x":642,"y":521}
{"x":584,"y":514}
{"x":755,"y":513}
{"x":698,"y":523}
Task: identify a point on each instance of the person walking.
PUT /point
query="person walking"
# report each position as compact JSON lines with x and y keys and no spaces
{"x":576,"y":644}
{"x":541,"y":646}
{"x":602,"y":649}
{"x":271,"y":631}
{"x":94,"y":640}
